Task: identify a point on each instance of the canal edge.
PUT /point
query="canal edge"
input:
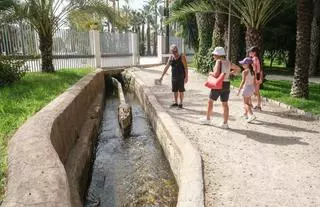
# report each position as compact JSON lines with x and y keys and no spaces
{"x":185,"y":161}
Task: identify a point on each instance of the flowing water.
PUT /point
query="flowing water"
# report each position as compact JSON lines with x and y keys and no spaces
{"x":131,"y":171}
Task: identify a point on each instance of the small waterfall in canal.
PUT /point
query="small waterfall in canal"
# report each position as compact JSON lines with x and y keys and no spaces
{"x":130,"y":171}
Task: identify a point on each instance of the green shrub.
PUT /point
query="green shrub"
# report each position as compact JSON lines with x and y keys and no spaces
{"x":11,"y":70}
{"x":204,"y":63}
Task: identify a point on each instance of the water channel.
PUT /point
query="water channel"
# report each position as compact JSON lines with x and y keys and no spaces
{"x":131,"y":171}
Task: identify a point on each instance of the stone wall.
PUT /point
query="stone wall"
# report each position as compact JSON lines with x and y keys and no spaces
{"x":54,"y":144}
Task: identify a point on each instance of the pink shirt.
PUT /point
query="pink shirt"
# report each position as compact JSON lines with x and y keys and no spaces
{"x":256,"y":65}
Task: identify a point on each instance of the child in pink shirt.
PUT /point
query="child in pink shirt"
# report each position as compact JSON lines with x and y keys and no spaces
{"x":254,"y":54}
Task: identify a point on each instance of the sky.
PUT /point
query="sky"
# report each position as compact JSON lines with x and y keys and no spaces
{"x":134,"y":4}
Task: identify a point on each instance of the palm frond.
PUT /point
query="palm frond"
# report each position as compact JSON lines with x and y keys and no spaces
{"x":254,"y":13}
{"x":191,"y":8}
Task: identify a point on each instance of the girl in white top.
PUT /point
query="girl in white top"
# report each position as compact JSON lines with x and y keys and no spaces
{"x":247,"y":87}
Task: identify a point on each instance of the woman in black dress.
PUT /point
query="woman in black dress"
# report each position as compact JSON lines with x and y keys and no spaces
{"x":179,"y":75}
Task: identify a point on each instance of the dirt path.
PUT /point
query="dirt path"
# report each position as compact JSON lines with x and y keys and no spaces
{"x":273,"y":162}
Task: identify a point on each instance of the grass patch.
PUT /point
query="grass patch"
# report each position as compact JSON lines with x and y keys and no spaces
{"x":267,"y":61}
{"x":192,"y":64}
{"x":280,"y":90}
{"x":21,"y":100}
{"x":278,"y":71}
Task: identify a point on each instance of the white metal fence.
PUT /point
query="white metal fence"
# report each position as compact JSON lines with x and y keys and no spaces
{"x":71,"y":49}
{"x":75,"y":49}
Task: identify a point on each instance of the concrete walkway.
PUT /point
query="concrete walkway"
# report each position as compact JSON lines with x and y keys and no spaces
{"x":273,"y":162}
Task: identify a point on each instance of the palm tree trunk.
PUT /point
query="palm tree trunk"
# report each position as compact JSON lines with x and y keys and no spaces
{"x":219,"y":31}
{"x":148,"y":39}
{"x":300,"y":87}
{"x":142,"y":47}
{"x":235,"y":38}
{"x":155,"y":43}
{"x":315,"y":40}
{"x":254,"y":38}
{"x":46,"y":42}
{"x":205,"y":22}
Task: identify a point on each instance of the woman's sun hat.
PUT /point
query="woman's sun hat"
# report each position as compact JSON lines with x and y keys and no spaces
{"x":246,"y":60}
{"x":219,"y":51}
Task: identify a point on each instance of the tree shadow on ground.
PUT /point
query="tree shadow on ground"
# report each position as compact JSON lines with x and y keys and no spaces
{"x":284,"y":126}
{"x":269,"y":139}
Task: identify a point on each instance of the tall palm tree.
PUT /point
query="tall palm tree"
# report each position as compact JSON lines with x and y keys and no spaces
{"x":234,"y":38}
{"x":45,"y":17}
{"x":254,"y":14}
{"x":188,"y":28}
{"x":221,"y":20}
{"x":314,"y":68}
{"x":300,"y":87}
{"x":142,"y":38}
{"x":205,"y":22}
{"x":148,"y":35}
{"x":156,"y":11}
{"x":147,"y":15}
{"x":135,"y":20}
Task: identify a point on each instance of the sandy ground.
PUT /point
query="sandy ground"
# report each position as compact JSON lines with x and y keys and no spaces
{"x":274,"y":161}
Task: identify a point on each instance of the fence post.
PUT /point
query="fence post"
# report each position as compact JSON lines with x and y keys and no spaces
{"x":134,"y":49}
{"x":95,"y":47}
{"x":161,"y":49}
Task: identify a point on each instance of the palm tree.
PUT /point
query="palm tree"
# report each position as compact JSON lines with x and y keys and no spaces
{"x":254,"y":14}
{"x":148,"y":35}
{"x":314,"y":68}
{"x":234,"y":38}
{"x":221,"y":20}
{"x":156,"y":11}
{"x":188,"y":28}
{"x":300,"y":87}
{"x":137,"y":21}
{"x":205,"y":22}
{"x":46,"y":17}
{"x":147,"y":20}
{"x":142,"y":42}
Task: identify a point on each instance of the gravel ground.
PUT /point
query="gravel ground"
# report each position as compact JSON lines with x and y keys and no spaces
{"x":275,"y":161}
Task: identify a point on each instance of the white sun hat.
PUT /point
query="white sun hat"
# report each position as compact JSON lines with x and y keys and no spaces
{"x":219,"y":51}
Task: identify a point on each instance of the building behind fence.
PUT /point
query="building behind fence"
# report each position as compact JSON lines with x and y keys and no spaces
{"x":75,"y":49}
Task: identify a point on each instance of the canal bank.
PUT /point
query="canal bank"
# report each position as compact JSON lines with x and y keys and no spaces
{"x":58,"y":134}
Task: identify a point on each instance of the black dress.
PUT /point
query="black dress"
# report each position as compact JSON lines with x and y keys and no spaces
{"x":178,"y":74}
